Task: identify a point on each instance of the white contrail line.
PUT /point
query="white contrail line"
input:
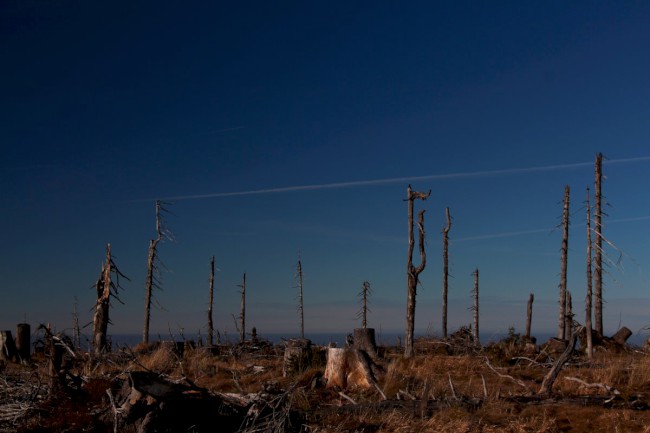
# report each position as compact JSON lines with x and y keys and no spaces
{"x":392,"y":180}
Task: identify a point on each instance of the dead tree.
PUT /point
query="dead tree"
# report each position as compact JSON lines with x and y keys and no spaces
{"x":445,"y":271}
{"x":568,"y":323}
{"x":598,"y":253}
{"x":366,"y":291}
{"x":412,"y":272}
{"x":590,"y":344}
{"x":301,"y":309}
{"x":210,"y":324}
{"x":529,"y":315}
{"x":107,"y":288}
{"x":76,"y":332}
{"x":242,"y":314}
{"x":562,"y":331}
{"x":477,"y":341}
{"x":153,"y":269}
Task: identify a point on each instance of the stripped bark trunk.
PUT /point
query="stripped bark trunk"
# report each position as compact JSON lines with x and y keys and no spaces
{"x":569,"y":315}
{"x":562,"y":331}
{"x":445,"y":272}
{"x":598,"y":253}
{"x":101,"y":318}
{"x":477,"y":341}
{"x":210,"y":324}
{"x":529,"y":315}
{"x":242,"y":314}
{"x":551,"y":376}
{"x":301,"y":309}
{"x":412,"y":272}
{"x":588,"y":299}
{"x":149,"y":288}
{"x":335,"y":370}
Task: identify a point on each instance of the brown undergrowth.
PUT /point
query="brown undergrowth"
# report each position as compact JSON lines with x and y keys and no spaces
{"x":491,"y":389}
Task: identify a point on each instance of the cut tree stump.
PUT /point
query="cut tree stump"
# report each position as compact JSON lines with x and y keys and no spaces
{"x":23,"y":343}
{"x":622,"y":335}
{"x":350,"y":368}
{"x":364,"y":339}
{"x":297,"y":356}
{"x":7,"y":346}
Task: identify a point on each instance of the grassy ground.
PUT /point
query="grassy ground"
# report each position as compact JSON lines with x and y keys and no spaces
{"x":441,"y":389}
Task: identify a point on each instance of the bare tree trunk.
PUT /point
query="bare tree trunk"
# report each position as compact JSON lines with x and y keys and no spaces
{"x":562,"y":331}
{"x":148,"y":289}
{"x":100,"y":319}
{"x":590,"y":344}
{"x":413,"y":272}
{"x":242,"y":314}
{"x":365,"y":291}
{"x":151,"y":282}
{"x":568,"y":323}
{"x":529,"y":315}
{"x":76,"y":332}
{"x":598,"y":253}
{"x":445,"y":272}
{"x":477,"y":341}
{"x":210,"y":324}
{"x":301,"y":309}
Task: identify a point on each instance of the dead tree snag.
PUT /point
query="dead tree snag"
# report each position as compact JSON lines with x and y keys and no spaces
{"x":477,"y":341}
{"x":412,"y":272}
{"x":210,"y":324}
{"x":562,"y":331}
{"x":529,"y":315}
{"x":365,"y":292}
{"x":445,"y":272}
{"x":301,"y":309}
{"x":106,"y":288}
{"x":153,"y":280}
{"x":588,"y":300}
{"x":598,"y":253}
{"x":242,"y":314}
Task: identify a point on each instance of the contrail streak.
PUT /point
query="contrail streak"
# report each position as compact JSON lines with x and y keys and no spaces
{"x":393,"y":180}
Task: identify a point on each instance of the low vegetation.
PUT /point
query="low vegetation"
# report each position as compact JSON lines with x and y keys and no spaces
{"x":448,"y":385}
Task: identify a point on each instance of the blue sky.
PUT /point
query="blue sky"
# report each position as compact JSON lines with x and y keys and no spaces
{"x":107,"y":107}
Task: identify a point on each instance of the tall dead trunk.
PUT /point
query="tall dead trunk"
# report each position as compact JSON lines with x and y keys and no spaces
{"x":365,"y":292}
{"x":562,"y":331}
{"x":477,"y":341}
{"x":242,"y":314}
{"x":445,"y":272}
{"x":412,"y":272}
{"x":529,"y":314}
{"x":598,"y":253}
{"x":301,"y":309}
{"x":107,"y":287}
{"x":568,"y":323}
{"x":101,"y":318}
{"x":151,"y":281}
{"x":590,"y":344}
{"x":210,"y":324}
{"x":76,"y":331}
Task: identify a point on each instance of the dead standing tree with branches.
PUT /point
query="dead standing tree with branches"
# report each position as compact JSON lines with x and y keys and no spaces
{"x":445,"y":271}
{"x":242,"y":314}
{"x":106,"y":288}
{"x":562,"y":319}
{"x":588,"y":299}
{"x":598,"y":252}
{"x":366,"y":291}
{"x":210,"y":324}
{"x":153,"y":266}
{"x":301,"y":308}
{"x":413,"y":272}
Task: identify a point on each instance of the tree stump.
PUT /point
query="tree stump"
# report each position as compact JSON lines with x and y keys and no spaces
{"x":364,"y":339}
{"x":350,"y":368}
{"x":622,"y":335}
{"x":23,"y":343}
{"x":297,"y":356}
{"x":336,"y":368}
{"x":7,"y":346}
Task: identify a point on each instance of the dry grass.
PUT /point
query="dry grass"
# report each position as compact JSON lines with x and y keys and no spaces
{"x":464,"y":394}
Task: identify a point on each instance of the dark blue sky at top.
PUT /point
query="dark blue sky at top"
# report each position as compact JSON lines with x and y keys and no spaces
{"x":106,"y":107}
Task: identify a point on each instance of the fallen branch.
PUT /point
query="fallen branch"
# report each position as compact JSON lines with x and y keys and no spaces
{"x":505,"y":376}
{"x":549,"y":379}
{"x":607,"y":388}
{"x":348,"y":398}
